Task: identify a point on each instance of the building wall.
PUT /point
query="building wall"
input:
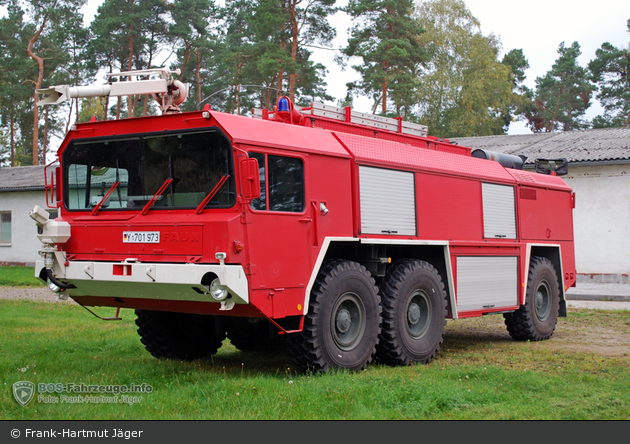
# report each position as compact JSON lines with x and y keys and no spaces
{"x":601,"y":218}
{"x":24,"y":244}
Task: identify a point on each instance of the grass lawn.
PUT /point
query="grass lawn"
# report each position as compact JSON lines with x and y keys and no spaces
{"x":480,"y":373}
{"x":19,"y":277}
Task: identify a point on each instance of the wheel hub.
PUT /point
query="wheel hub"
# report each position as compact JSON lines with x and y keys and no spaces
{"x":542,"y":301}
{"x":344,"y":320}
{"x":418,"y":312}
{"x":348,"y":321}
{"x":413,"y":314}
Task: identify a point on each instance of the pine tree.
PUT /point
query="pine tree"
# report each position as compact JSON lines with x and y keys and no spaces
{"x":16,"y":117}
{"x":610,"y":71}
{"x":562,"y":95}
{"x":127,"y":34}
{"x":385,"y":37}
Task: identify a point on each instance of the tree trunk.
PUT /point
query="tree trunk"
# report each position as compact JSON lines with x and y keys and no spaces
{"x":267,"y":104}
{"x":384,"y":97}
{"x":105,"y":108}
{"x":279,"y":86}
{"x":555,"y":111}
{"x":70,"y":117}
{"x":283,"y":45}
{"x":198,"y":75}
{"x":118,"y":103}
{"x":238,"y":99}
{"x":45,"y":137}
{"x":376,"y":103}
{"x":386,"y":65}
{"x":38,"y":84}
{"x":130,"y":99}
{"x":294,"y":46}
{"x":186,"y":59}
{"x":145,"y":97}
{"x":12,"y":142}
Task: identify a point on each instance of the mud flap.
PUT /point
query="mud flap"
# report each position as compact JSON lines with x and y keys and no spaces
{"x":562,"y":312}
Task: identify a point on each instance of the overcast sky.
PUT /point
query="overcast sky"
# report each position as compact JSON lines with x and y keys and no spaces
{"x":536,"y":26}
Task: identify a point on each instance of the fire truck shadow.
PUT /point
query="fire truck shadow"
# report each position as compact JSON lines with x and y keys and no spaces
{"x":266,"y":360}
{"x":482,"y":332}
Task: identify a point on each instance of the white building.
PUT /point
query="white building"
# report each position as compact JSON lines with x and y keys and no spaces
{"x":599,"y":173}
{"x":21,"y":188}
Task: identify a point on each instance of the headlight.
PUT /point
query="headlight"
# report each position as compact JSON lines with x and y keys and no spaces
{"x":218,"y":291}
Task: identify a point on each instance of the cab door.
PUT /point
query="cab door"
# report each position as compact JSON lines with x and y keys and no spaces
{"x":279,"y":232}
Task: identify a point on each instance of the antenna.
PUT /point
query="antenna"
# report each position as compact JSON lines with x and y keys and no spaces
{"x":168,"y":92}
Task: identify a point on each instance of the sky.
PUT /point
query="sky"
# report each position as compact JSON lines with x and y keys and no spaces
{"x":536,"y":26}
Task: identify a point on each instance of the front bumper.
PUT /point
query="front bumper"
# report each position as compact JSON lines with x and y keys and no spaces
{"x":173,"y":282}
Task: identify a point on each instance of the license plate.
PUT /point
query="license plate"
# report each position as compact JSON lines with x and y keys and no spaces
{"x":141,"y":237}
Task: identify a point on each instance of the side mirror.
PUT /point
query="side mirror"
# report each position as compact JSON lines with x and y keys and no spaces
{"x":250,"y":178}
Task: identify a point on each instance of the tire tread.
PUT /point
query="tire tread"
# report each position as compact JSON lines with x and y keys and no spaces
{"x":389,"y":349}
{"x":520,"y":323}
{"x":305,"y":347}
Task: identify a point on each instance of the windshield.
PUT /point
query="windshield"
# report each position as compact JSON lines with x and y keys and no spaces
{"x":195,"y":161}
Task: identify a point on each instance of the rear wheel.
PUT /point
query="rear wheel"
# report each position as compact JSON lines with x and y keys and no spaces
{"x":536,"y":320}
{"x":180,"y":336}
{"x":342,"y":325}
{"x":414,"y":313}
{"x":253,"y":334}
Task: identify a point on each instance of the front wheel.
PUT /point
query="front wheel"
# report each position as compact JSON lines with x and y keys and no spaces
{"x":536,"y":320}
{"x":414,"y":313}
{"x":342,"y":325}
{"x":180,"y":336}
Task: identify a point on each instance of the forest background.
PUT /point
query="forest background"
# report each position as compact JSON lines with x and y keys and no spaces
{"x":426,"y":60}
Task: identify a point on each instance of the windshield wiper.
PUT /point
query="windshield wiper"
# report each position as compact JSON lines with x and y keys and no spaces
{"x":154,"y":199}
{"x":105,"y":197}
{"x":212,"y":193}
{"x":118,"y":180}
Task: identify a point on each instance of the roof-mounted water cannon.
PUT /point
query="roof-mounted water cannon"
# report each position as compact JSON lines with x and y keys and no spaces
{"x":169,"y":93}
{"x":506,"y":160}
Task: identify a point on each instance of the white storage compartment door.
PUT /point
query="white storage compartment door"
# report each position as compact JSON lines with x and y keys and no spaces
{"x":486,"y":282}
{"x":499,"y":213}
{"x":387,"y":201}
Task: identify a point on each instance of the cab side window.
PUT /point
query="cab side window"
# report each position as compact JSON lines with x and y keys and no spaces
{"x":281,"y":183}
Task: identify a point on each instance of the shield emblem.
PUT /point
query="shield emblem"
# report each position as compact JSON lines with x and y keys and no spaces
{"x":23,"y":392}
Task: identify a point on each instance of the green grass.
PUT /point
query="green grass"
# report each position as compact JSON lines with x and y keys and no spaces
{"x":19,"y":277}
{"x":478,"y":374}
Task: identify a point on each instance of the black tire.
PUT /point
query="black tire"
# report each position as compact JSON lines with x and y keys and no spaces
{"x":180,"y":336}
{"x":342,"y":325}
{"x":414,"y":313}
{"x":536,"y":320}
{"x":254,"y":334}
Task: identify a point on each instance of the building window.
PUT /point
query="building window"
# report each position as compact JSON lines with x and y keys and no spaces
{"x":5,"y":227}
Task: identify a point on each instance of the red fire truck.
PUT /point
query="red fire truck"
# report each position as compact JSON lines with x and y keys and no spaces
{"x":349,"y":236}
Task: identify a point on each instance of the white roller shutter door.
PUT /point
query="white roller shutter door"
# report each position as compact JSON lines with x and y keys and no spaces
{"x":486,"y":282}
{"x":387,"y":201}
{"x":499,"y":214}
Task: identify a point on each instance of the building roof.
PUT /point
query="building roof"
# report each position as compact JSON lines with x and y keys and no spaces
{"x":597,"y":145}
{"x":22,"y":178}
